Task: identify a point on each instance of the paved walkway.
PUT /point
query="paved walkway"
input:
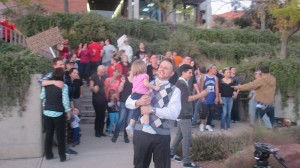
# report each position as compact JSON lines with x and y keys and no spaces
{"x":97,"y":152}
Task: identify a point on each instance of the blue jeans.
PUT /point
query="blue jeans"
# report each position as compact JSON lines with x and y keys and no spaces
{"x":124,"y":118}
{"x":196,"y":112}
{"x":76,"y":134}
{"x":226,"y":115}
{"x":113,"y":117}
{"x":136,"y":112}
{"x":265,"y":114}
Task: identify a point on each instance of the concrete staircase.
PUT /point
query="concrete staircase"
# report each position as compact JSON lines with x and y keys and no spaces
{"x":87,"y":110}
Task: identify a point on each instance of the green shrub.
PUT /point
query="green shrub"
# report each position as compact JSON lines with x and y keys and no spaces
{"x":89,"y":26}
{"x":217,"y":147}
{"x":235,"y":52}
{"x":32,"y":24}
{"x":145,"y":30}
{"x":16,"y":66}
{"x":232,"y":35}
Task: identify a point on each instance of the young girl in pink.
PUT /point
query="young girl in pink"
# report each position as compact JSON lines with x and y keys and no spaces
{"x":141,"y":86}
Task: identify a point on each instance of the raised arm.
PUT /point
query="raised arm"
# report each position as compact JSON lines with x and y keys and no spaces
{"x":203,"y":93}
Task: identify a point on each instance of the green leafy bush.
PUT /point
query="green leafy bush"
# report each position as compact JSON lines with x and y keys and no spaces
{"x":217,"y":147}
{"x":32,"y":24}
{"x":145,"y":30}
{"x":89,"y":26}
{"x":235,"y":52}
{"x":16,"y":66}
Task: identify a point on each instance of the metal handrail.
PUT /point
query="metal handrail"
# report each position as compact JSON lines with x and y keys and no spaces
{"x":12,"y":36}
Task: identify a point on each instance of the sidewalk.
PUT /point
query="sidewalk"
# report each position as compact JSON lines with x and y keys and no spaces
{"x":100,"y":152}
{"x":93,"y":152}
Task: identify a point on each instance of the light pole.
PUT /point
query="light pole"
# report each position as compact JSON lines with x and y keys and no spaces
{"x":66,"y":6}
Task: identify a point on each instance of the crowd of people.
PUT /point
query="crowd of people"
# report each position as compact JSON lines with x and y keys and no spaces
{"x":141,"y":93}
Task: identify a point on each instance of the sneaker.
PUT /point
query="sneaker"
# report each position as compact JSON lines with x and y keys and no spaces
{"x":148,"y":129}
{"x":129,"y":130}
{"x":191,"y":165}
{"x":102,"y":134}
{"x":67,"y":158}
{"x":175,"y":158}
{"x":51,"y":158}
{"x":201,"y":127}
{"x":110,"y":135}
{"x":209,"y":128}
{"x":75,"y":143}
{"x":71,"y":152}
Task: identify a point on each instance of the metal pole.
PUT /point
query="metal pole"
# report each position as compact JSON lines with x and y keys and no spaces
{"x":52,"y":52}
{"x":66,"y":6}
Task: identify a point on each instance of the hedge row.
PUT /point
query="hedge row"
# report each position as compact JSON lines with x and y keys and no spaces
{"x":146,"y":30}
{"x":229,"y":44}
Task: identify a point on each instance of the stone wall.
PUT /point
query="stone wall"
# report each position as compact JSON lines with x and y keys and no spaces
{"x":21,"y":136}
{"x":285,"y":112}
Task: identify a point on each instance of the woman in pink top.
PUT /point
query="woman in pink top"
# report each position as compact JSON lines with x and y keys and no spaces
{"x":141,"y":86}
{"x":84,"y":69}
{"x":112,"y":83}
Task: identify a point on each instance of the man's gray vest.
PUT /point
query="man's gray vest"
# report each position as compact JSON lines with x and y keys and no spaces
{"x":159,"y":99}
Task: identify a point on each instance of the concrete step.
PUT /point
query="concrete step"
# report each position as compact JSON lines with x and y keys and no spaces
{"x":87,"y":107}
{"x":86,"y":100}
{"x":88,"y":113}
{"x":87,"y":120}
{"x":86,"y":97}
{"x":87,"y":110}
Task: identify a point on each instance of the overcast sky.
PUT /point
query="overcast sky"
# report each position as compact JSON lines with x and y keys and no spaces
{"x":222,"y":6}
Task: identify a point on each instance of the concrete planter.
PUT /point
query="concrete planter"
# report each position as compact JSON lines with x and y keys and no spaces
{"x":285,"y":112}
{"x":21,"y":137}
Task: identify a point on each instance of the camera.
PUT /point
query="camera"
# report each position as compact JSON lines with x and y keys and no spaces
{"x":262,"y":153}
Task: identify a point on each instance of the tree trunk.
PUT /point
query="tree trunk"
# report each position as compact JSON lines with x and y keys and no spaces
{"x":163,"y":15}
{"x":283,"y":48}
{"x":285,"y":38}
{"x":262,"y":14}
{"x":66,"y":6}
{"x":263,"y":20}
